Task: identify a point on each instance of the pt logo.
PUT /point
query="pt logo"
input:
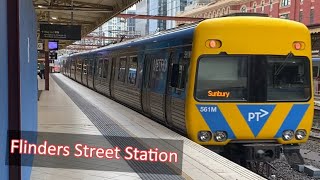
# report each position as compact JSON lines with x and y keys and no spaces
{"x":257,"y":115}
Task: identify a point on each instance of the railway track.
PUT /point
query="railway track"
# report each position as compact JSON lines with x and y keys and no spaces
{"x":315,"y":134}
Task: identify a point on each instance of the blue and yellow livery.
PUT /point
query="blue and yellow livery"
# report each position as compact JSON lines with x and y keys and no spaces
{"x":250,"y":82}
{"x":241,"y":81}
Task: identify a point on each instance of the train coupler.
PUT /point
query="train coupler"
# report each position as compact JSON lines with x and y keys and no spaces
{"x":262,"y":152}
{"x":292,"y":154}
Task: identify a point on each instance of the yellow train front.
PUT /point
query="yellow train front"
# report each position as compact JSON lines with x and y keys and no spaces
{"x":250,"y":85}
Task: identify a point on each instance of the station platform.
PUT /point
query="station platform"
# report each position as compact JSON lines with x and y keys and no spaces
{"x":60,"y":110}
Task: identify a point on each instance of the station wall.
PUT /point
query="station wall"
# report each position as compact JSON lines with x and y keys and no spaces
{"x":28,"y":71}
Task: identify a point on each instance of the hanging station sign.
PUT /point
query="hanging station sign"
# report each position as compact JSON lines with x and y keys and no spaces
{"x":63,"y":32}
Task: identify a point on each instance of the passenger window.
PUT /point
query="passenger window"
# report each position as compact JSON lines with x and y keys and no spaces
{"x":85,"y":67}
{"x":122,"y":69}
{"x":79,"y":66}
{"x":132,"y":75}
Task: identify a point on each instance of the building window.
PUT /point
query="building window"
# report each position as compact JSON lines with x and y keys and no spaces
{"x":300,"y":16}
{"x":311,"y":16}
{"x":255,"y":7}
{"x":262,"y":6}
{"x":284,"y":16}
{"x":214,"y":14}
{"x":218,"y":13}
{"x":285,"y":3}
{"x":243,"y":8}
{"x":228,"y":10}
{"x":271,"y":5}
{"x":223,"y":11}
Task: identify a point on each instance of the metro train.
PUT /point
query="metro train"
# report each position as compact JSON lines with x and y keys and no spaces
{"x":240,"y":84}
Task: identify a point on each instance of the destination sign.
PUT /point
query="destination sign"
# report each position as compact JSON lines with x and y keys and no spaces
{"x":63,"y":32}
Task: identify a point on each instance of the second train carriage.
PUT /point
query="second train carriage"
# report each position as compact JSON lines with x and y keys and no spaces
{"x":237,"y":82}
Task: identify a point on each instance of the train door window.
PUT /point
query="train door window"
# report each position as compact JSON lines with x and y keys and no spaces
{"x":99,"y":69}
{"x":122,"y":69}
{"x":105,"y":69}
{"x":99,"y":72}
{"x":179,"y":75}
{"x":132,"y":75}
{"x":158,"y":71}
{"x":90,"y":67}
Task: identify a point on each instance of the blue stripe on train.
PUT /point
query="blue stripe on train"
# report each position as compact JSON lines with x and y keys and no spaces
{"x":293,"y":119}
{"x":215,"y":120}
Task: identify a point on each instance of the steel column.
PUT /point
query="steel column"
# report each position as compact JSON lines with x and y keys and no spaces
{"x":14,"y":109}
{"x":46,"y":65}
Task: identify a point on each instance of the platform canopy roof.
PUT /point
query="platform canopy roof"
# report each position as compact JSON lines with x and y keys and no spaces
{"x":90,"y":14}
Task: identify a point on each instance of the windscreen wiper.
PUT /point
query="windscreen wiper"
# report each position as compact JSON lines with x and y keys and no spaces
{"x":283,"y":64}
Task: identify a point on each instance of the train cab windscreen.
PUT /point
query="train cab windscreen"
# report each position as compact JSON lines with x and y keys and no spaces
{"x":255,"y":78}
{"x":222,"y":78}
{"x":288,"y":79}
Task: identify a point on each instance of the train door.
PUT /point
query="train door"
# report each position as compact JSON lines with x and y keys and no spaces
{"x":73,"y":69}
{"x":145,"y":93}
{"x":106,"y":76}
{"x":85,"y":72}
{"x":169,"y":90}
{"x":90,"y":73}
{"x":112,"y":77}
{"x":176,"y":87}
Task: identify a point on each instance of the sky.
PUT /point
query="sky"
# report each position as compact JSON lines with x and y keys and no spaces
{"x":133,"y":7}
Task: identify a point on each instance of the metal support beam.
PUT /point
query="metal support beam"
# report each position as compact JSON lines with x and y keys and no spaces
{"x":73,"y":8}
{"x":103,"y":37}
{"x":174,"y":18}
{"x":14,"y":107}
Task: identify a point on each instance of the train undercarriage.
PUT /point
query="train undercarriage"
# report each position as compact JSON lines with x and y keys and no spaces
{"x":258,"y":156}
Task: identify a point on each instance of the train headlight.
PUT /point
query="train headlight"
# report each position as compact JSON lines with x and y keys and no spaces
{"x":298,"y":45}
{"x":220,"y":136}
{"x":301,"y":134}
{"x":204,"y":136}
{"x":213,"y":43}
{"x":287,"y":135}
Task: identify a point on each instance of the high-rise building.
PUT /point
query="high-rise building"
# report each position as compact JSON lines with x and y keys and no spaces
{"x":142,"y":24}
{"x":160,"y":8}
{"x":117,"y":28}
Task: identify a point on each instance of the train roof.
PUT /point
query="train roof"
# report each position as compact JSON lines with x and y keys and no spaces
{"x":178,"y":32}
